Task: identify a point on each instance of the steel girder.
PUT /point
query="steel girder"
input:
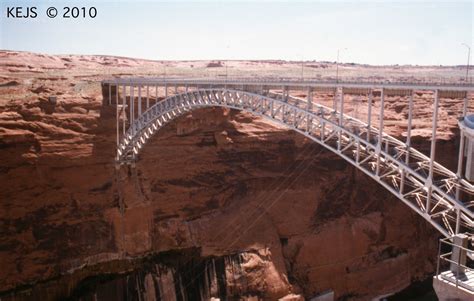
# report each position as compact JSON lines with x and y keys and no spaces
{"x":399,"y":168}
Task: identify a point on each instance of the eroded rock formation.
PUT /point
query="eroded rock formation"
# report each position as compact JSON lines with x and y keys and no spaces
{"x":273,"y":212}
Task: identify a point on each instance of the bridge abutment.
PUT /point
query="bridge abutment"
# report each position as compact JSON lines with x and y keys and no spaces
{"x":457,"y":281}
{"x":448,"y":291}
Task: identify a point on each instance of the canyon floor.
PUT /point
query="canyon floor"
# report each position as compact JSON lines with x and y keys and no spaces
{"x":221,"y":204}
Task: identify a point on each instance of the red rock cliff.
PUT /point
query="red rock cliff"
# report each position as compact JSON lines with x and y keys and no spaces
{"x":218,"y":181}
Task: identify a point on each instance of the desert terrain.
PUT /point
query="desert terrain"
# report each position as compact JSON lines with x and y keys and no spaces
{"x":222,"y":203}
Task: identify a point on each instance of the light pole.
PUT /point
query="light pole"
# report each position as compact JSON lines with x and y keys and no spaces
{"x":468,"y":56}
{"x":337,"y":64}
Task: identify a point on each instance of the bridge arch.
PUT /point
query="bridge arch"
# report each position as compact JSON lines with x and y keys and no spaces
{"x":400,"y":169}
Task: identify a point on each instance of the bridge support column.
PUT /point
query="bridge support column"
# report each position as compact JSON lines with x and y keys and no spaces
{"x":309,"y":99}
{"x":458,"y":254}
{"x":309,"y":107}
{"x":408,"y":140}
{"x":461,"y":145}
{"x":369,"y":114}
{"x":466,"y":152}
{"x":341,"y":119}
{"x":139,"y":101}
{"x":147,"y":97}
{"x":117,"y":114}
{"x":429,"y":182}
{"x":124,"y":107}
{"x":379,"y":143}
{"x":132,"y":108}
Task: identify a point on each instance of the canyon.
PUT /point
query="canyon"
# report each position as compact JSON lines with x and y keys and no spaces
{"x":222,"y":204}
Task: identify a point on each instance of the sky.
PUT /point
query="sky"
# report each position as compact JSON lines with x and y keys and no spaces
{"x":375,"y":32}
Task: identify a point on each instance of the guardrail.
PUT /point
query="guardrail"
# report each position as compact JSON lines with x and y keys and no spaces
{"x":283,"y":80}
{"x":459,"y":273}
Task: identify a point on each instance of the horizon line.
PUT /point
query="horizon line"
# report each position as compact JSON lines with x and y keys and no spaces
{"x":241,"y":60}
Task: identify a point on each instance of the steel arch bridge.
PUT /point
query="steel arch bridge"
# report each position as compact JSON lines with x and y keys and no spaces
{"x":439,"y":195}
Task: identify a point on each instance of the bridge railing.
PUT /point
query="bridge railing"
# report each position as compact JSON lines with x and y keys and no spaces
{"x":456,"y":265}
{"x":284,"y":80}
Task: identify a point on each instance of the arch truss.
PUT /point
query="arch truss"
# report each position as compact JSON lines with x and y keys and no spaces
{"x":439,"y":195}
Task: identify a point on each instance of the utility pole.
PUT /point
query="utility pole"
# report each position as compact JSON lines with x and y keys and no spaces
{"x":337,"y":65}
{"x":468,"y":56}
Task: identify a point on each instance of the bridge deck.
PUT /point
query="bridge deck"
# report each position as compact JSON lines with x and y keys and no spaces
{"x":278,"y":83}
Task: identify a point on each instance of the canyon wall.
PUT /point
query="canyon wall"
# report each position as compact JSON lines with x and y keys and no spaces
{"x":279,"y":214}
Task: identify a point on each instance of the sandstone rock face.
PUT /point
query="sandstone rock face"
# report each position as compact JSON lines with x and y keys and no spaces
{"x":282,"y":216}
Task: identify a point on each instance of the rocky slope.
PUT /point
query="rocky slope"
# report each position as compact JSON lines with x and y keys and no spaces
{"x":221,"y":203}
